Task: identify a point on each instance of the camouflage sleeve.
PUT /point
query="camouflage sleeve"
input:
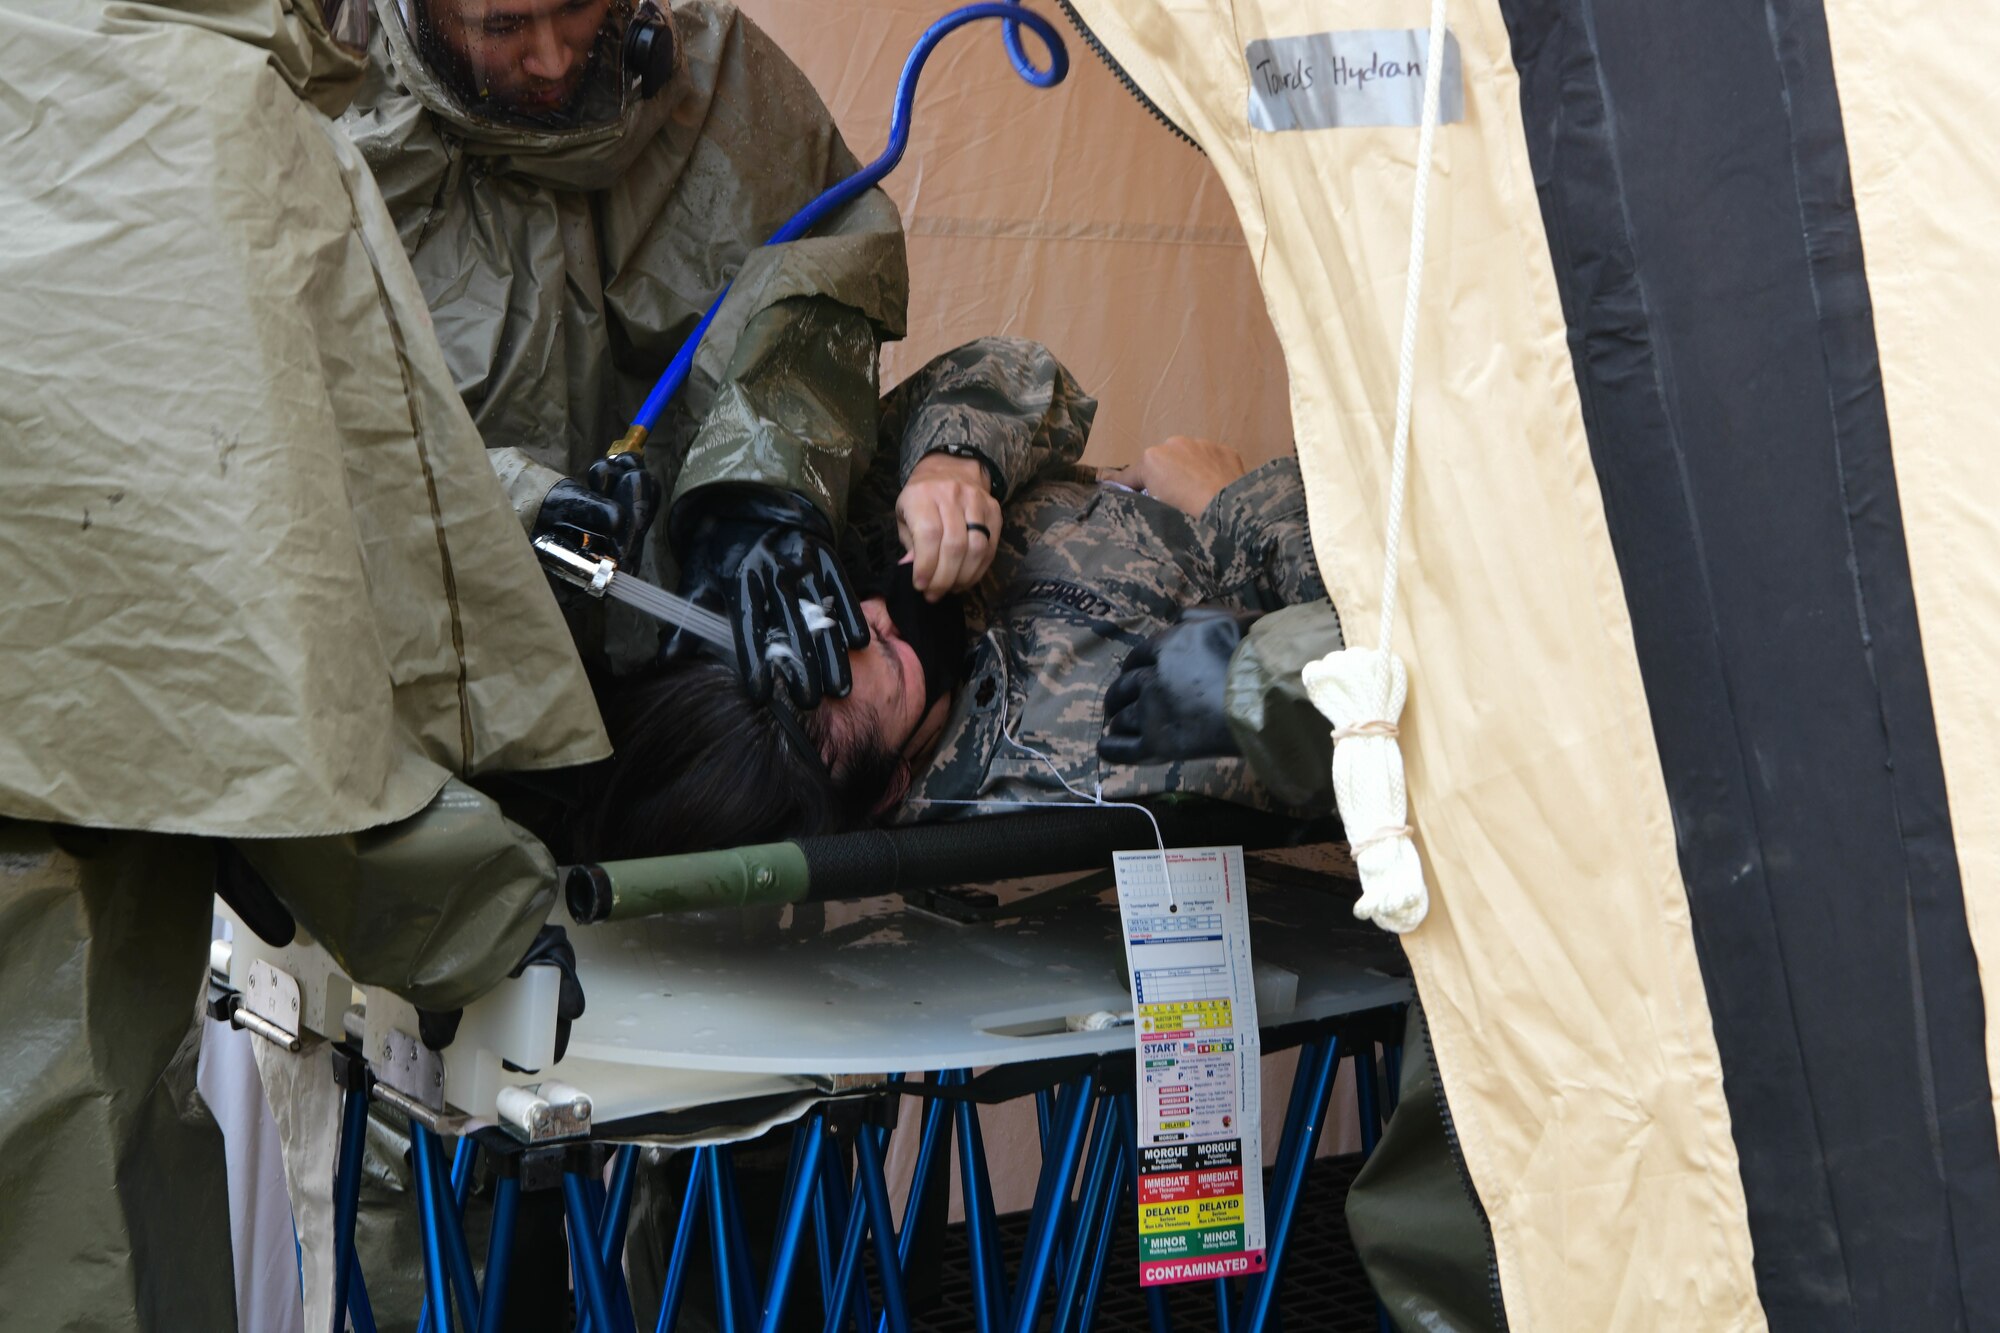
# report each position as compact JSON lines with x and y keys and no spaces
{"x":1007,"y":401}
{"x":1263,"y":550}
{"x":796,"y":406}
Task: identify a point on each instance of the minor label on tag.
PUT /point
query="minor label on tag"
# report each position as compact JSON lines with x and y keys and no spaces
{"x":1330,"y":80}
{"x":1201,"y":1155}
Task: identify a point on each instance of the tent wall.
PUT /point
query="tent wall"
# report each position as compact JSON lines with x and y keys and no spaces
{"x":1916,"y":86}
{"x":1558,"y":965}
{"x":1694,"y":180}
{"x":1704,"y":404}
{"x":1070,"y":216}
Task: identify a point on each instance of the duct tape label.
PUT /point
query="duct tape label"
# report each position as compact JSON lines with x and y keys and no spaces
{"x":1187,"y":943}
{"x":1335,"y":80}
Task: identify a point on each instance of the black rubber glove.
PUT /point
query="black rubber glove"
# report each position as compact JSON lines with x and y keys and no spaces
{"x":552,"y":947}
{"x":1168,"y":704}
{"x":608,"y":517}
{"x":754,"y":552}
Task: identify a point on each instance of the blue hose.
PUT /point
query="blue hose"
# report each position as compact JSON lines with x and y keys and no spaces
{"x":1012,"y":17}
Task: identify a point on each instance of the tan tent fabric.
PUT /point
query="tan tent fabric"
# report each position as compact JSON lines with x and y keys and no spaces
{"x":262,"y":581}
{"x":1557,"y":965}
{"x":1927,"y":190}
{"x":1069,"y":216}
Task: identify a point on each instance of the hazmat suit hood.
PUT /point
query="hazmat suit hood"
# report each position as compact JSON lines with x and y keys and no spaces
{"x":562,"y":277}
{"x":586,"y":151}
{"x":262,"y":580}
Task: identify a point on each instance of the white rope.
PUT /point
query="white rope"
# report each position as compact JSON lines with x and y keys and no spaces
{"x":1362,"y":691}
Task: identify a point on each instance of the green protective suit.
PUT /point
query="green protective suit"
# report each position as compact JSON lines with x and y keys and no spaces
{"x":113,"y":1208}
{"x":563,"y":271}
{"x":1284,"y":737}
{"x":263,"y":586}
{"x":1418,"y":1227}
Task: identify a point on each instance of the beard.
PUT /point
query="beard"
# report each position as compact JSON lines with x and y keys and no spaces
{"x":452,"y":67}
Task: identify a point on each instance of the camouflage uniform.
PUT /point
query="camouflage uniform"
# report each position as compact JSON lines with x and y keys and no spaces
{"x":1085,"y":572}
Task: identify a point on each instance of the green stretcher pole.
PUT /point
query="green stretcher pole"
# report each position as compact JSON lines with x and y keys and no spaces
{"x":1055,"y":840}
{"x":766,"y":875}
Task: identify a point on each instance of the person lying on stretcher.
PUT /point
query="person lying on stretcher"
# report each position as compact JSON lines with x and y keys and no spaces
{"x":1036,"y":627}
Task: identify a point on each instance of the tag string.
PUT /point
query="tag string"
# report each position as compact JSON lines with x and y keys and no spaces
{"x":1090,"y":798}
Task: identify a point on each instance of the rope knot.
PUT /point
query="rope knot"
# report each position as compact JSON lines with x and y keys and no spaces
{"x":1361,"y":845}
{"x":1354,"y":730}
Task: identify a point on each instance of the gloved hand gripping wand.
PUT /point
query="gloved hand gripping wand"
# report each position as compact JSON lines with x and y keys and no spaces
{"x":600,"y":576}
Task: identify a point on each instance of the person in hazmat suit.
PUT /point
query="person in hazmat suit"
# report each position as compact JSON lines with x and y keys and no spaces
{"x":266,"y":604}
{"x":575,"y":183}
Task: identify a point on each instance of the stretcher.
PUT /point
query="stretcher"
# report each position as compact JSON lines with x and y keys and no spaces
{"x":706,"y":1029}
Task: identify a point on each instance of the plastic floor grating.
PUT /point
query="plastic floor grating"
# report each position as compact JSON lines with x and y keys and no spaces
{"x":1324,"y":1289}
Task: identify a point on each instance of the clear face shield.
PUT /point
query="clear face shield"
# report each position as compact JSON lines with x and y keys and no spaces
{"x":550,"y":65}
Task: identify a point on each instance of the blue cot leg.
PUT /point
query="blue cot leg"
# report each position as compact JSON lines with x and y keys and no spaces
{"x":1303,"y":1078}
{"x":728,"y":1305}
{"x":937,"y":1126}
{"x":614,"y":1212}
{"x":1367,"y":1097}
{"x":359,"y":1309}
{"x":989,"y":1291}
{"x":875,"y":1191}
{"x":1263,"y":1297}
{"x":741,"y":1265}
{"x":677,"y":1258}
{"x":499,"y":1253}
{"x":850,"y":1296}
{"x":848,"y":1271}
{"x":1119,"y":1198}
{"x":1046,"y":1191}
{"x":1104,"y":1145}
{"x":451,"y":1229}
{"x":461,"y":1190}
{"x":1057,"y":1174}
{"x":590,"y":1283}
{"x":823,"y":1215}
{"x":347,"y":1197}
{"x":436,"y":1299}
{"x":792,"y":1230}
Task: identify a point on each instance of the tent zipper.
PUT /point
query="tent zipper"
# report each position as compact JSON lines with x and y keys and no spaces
{"x":1464,"y":1176}
{"x":1118,"y":71}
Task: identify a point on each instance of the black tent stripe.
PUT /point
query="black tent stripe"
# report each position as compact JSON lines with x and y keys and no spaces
{"x":1693,"y":176}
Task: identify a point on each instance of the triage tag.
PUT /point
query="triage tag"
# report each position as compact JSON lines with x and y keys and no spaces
{"x":1201,"y":1155}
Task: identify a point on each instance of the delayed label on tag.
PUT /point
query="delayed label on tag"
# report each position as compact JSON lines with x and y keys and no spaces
{"x":1201,"y":1181}
{"x":1331,"y":80}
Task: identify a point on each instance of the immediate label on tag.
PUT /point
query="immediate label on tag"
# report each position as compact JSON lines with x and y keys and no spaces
{"x":1330,"y":80}
{"x":1201,"y":1155}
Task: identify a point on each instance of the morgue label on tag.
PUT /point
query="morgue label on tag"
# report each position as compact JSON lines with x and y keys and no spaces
{"x":1327,"y":80}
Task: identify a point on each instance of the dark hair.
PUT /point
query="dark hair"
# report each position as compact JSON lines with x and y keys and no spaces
{"x":696,"y":766}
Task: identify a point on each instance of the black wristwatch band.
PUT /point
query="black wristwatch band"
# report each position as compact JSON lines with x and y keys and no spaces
{"x":994,"y":481}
